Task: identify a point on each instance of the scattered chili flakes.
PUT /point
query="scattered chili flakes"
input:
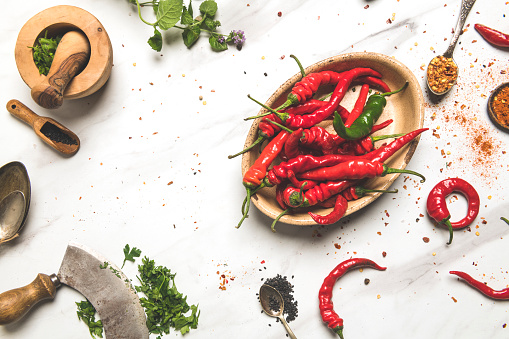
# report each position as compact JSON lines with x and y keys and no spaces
{"x":338,"y":246}
{"x":454,"y":299}
{"x":279,"y":14}
{"x":425,"y":239}
{"x":384,"y":254}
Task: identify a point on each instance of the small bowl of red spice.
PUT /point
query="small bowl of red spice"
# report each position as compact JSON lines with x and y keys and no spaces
{"x":498,"y":106}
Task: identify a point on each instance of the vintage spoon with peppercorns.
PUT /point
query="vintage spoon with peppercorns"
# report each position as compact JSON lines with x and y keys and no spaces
{"x":50,"y":131}
{"x":273,"y":304}
{"x":442,"y":70}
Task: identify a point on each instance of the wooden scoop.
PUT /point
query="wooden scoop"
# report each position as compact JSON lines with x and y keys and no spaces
{"x":52,"y":132}
{"x":71,"y":56}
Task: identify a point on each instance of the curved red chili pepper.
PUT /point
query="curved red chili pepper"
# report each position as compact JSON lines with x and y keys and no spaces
{"x":340,"y":207}
{"x":374,"y":82}
{"x":303,"y":163}
{"x":329,"y":316}
{"x":304,"y":185}
{"x":354,"y":169}
{"x":437,"y":206}
{"x":364,"y":145}
{"x":493,"y":36}
{"x":482,"y":287}
{"x":292,"y":144}
{"x":306,"y":121}
{"x":280,"y":194}
{"x":318,"y":138}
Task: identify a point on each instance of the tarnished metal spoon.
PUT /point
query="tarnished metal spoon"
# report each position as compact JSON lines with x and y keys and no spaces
{"x":466,"y":6}
{"x":273,"y":304}
{"x":12,"y":213}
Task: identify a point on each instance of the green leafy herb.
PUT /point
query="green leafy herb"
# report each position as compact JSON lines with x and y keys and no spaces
{"x":44,"y":52}
{"x":86,"y":313}
{"x":169,"y":12}
{"x":164,"y":305}
{"x":130,"y":254}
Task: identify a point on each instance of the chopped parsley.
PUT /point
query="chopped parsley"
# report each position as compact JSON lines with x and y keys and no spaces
{"x":86,"y":313}
{"x":130,"y":254}
{"x":44,"y":52}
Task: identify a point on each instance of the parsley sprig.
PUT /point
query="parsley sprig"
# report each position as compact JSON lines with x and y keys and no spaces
{"x":165,"y":307}
{"x":130,"y":254}
{"x":44,"y":52}
{"x":86,"y":313}
{"x":170,"y":12}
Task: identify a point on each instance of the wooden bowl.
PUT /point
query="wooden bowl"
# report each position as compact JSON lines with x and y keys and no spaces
{"x":405,"y":108}
{"x":494,"y":118}
{"x":59,"y":20}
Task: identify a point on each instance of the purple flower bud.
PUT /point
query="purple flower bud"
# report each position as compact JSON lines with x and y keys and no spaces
{"x":238,"y":37}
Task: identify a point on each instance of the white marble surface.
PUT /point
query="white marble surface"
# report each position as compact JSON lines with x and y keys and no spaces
{"x":145,"y":129}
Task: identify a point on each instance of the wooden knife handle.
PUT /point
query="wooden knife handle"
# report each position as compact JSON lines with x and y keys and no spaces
{"x":71,"y":56}
{"x":14,"y":304}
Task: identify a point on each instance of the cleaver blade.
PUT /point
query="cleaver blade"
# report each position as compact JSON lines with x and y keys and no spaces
{"x":100,"y":281}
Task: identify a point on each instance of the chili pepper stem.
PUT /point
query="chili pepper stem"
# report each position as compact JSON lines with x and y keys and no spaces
{"x":388,"y":136}
{"x":339,"y":331}
{"x":273,"y":226}
{"x":263,"y":184}
{"x":363,"y":191}
{"x":280,"y":126}
{"x":386,"y":94}
{"x":260,"y":139}
{"x":299,"y":64}
{"x":505,"y":219}
{"x":447,"y":223}
{"x":282,"y":116}
{"x":389,"y":170}
{"x":246,"y":210}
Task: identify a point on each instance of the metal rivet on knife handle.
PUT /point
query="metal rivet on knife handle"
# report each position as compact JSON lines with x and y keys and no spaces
{"x":14,"y":304}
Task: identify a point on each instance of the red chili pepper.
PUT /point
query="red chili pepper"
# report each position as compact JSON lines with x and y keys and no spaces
{"x":364,"y":145}
{"x":292,"y":144}
{"x":384,"y":153}
{"x":340,"y":207}
{"x":318,"y":138}
{"x":294,"y":197}
{"x":329,"y":316}
{"x":354,"y":169}
{"x":493,"y":36}
{"x":482,"y":287}
{"x":303,"y":163}
{"x":437,"y":206}
{"x":304,"y":185}
{"x":256,"y":173}
{"x":359,"y":105}
{"x":279,"y":194}
{"x":374,"y":82}
{"x":357,"y":192}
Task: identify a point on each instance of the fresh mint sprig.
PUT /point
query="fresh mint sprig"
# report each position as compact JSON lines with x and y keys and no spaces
{"x":169,"y":12}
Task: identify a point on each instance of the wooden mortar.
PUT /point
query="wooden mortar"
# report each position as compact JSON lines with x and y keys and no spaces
{"x":59,"y":20}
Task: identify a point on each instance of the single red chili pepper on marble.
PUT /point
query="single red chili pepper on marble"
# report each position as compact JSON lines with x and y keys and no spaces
{"x":326,"y":306}
{"x":482,"y":287}
{"x":354,"y":169}
{"x":437,"y":206}
{"x":493,"y":36}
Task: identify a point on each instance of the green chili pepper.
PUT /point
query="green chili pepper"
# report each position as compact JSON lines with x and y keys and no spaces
{"x":362,"y":126}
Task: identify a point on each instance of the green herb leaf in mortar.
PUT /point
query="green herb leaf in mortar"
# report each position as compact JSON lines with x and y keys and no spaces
{"x":169,"y":12}
{"x":130,"y":254}
{"x":86,"y":313}
{"x":164,"y":306}
{"x":44,"y":51}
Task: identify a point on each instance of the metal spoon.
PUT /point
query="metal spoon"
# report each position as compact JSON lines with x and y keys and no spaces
{"x":466,"y":6}
{"x":273,"y":304}
{"x":12,"y":213}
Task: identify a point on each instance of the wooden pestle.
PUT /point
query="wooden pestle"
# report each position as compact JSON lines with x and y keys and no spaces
{"x":71,"y":56}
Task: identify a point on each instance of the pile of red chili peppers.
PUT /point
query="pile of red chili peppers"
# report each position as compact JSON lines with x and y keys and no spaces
{"x":310,"y":166}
